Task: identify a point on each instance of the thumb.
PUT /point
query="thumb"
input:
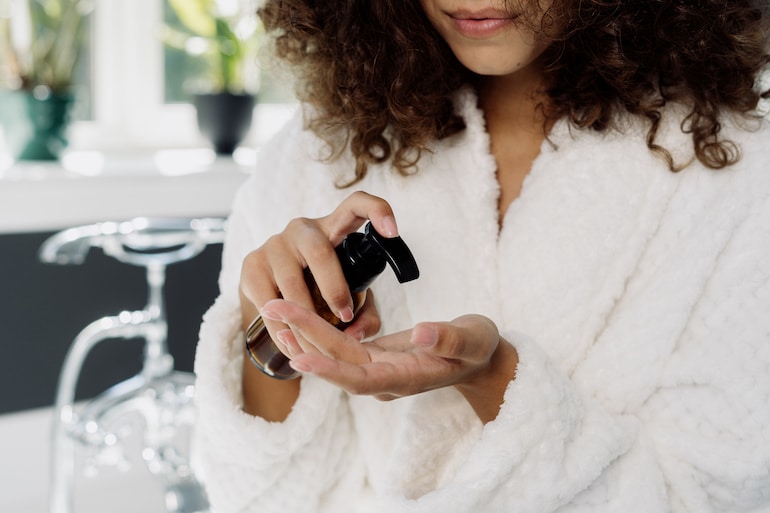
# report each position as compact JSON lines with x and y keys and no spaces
{"x":469,"y":338}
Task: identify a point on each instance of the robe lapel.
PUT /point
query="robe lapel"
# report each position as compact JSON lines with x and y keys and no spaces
{"x":575,"y":236}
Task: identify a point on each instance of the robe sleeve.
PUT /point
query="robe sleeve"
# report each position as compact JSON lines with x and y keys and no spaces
{"x":544,"y":448}
{"x":246,"y":463}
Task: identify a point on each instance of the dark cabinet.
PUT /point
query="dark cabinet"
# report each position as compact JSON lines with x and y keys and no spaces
{"x":43,"y":307}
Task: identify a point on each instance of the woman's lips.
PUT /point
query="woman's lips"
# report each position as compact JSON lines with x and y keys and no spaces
{"x":480,"y":24}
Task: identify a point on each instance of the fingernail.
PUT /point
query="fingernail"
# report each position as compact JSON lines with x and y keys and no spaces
{"x":346,"y":314}
{"x":283,"y":336}
{"x":389,"y":224}
{"x":267,"y":313}
{"x":424,"y":336}
{"x":359,"y":335}
{"x":300,"y":366}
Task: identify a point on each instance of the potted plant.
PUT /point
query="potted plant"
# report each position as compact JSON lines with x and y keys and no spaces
{"x":41,"y":42}
{"x":224,"y":35}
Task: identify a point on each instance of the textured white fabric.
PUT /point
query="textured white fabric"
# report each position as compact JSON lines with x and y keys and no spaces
{"x":638,"y":301}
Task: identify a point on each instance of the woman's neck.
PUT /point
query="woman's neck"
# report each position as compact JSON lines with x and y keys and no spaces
{"x":516,"y":100}
{"x":514,"y":110}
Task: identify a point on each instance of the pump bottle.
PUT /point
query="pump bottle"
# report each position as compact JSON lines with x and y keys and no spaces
{"x":363,"y":256}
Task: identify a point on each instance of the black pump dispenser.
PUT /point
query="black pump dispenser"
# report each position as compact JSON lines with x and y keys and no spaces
{"x":363,"y":257}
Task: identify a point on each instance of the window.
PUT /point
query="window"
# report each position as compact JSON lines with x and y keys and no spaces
{"x":137,"y":85}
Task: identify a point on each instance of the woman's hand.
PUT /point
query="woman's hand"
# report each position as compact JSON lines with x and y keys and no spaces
{"x":276,"y":268}
{"x":467,"y":353}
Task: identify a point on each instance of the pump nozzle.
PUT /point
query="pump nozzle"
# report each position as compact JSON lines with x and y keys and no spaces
{"x":363,"y":256}
{"x":396,"y":253}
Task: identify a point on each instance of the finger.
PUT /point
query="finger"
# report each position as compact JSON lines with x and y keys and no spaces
{"x":297,"y":344}
{"x":323,"y":276}
{"x":258,"y":288}
{"x":288,"y":343}
{"x":325,"y":281}
{"x":388,"y":378}
{"x":314,"y":334}
{"x":471,"y":338}
{"x":256,"y":280}
{"x":369,"y":379}
{"x":367,"y":322}
{"x":354,"y":211}
{"x":304,"y":252}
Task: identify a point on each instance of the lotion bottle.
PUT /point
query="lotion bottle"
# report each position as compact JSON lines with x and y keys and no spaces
{"x":363,"y":256}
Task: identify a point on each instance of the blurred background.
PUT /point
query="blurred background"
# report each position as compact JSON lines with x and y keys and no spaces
{"x":113,"y":110}
{"x":130,"y":72}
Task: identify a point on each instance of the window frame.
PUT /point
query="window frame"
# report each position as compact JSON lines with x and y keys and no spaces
{"x":129,"y":112}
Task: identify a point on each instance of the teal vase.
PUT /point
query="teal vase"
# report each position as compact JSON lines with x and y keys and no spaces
{"x":35,"y":126}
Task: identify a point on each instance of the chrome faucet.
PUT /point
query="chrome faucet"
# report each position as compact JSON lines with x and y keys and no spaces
{"x":162,"y":398}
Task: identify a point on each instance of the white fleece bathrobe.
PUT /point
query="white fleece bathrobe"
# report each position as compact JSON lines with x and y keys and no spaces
{"x":638,"y":301}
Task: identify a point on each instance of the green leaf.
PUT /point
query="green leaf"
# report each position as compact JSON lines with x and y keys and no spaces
{"x":196,"y":15}
{"x":53,"y":9}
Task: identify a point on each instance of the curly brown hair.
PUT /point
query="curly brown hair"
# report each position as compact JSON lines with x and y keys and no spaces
{"x":380,"y":76}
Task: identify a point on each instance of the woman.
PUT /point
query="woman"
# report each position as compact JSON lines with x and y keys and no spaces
{"x":585,"y":187}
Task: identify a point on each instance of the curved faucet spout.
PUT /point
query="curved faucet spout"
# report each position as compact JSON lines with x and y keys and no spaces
{"x":160,"y":395}
{"x":126,"y":325}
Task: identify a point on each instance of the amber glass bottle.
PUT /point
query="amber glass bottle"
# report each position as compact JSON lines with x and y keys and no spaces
{"x":363,"y":256}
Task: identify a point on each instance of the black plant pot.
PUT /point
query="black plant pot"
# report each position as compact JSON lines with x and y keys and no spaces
{"x":224,"y":119}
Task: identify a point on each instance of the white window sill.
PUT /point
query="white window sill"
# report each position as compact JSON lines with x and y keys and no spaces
{"x":89,"y":186}
{"x":108,"y":176}
{"x":172,"y":126}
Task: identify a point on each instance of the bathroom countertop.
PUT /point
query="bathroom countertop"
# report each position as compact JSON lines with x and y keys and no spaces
{"x":87,"y":187}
